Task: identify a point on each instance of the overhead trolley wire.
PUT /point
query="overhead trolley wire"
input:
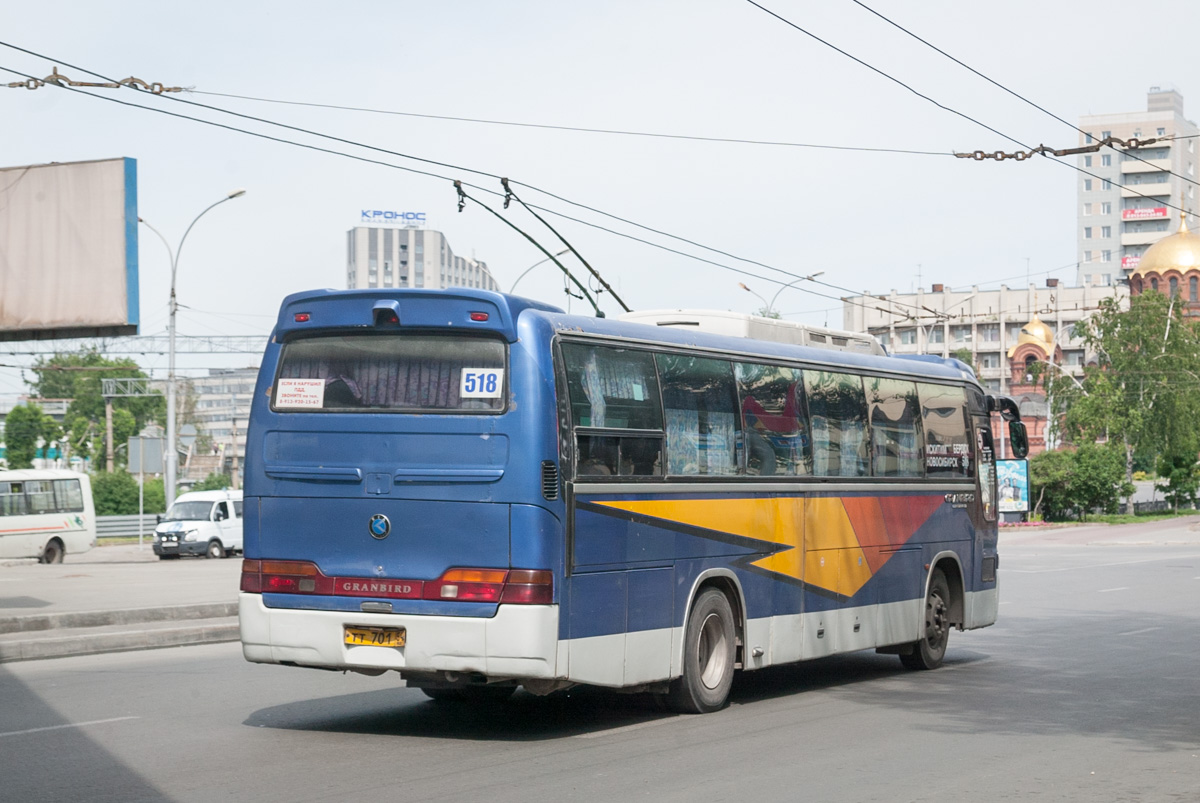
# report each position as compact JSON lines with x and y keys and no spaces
{"x":435,"y":175}
{"x":580,"y":129}
{"x":942,"y":106}
{"x":1015,"y":94}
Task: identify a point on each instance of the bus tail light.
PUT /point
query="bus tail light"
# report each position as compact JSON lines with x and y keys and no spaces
{"x":527,"y":587}
{"x":518,"y":586}
{"x":284,"y":577}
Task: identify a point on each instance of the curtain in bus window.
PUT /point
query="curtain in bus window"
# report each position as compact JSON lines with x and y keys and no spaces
{"x":396,"y":372}
{"x":12,"y":499}
{"x":947,"y":445}
{"x":838,"y":412}
{"x":700,"y":405}
{"x":895,"y":428}
{"x":614,"y":389}
{"x":773,"y":419}
{"x":611,"y":387}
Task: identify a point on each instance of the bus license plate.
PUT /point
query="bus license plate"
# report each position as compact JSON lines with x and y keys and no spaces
{"x":375,"y":636}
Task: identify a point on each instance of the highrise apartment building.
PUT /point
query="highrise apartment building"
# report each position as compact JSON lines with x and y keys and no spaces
{"x":1129,"y":201}
{"x":408,"y":257}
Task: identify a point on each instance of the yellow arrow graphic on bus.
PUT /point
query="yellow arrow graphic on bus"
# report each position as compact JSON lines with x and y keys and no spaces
{"x":824,"y":550}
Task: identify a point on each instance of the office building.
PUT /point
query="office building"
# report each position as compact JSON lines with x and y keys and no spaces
{"x":1006,"y":331}
{"x":1128,"y":197}
{"x":409,"y":257}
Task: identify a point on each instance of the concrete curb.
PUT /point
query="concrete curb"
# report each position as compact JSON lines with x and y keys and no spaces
{"x":210,"y":631}
{"x":171,"y":613}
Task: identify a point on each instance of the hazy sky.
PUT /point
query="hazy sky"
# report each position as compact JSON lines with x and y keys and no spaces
{"x":870,"y":221}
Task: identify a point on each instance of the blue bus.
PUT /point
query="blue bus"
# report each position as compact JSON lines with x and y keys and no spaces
{"x":482,"y":492}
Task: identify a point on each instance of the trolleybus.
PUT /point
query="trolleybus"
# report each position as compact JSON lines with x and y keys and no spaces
{"x":482,"y":492}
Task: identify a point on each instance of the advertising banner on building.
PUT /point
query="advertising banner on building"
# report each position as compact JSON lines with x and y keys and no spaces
{"x":1146,"y":213}
{"x":1012,"y":479}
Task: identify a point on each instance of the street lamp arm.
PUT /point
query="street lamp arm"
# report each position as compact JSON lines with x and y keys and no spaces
{"x":191,"y":225}
{"x":789,"y":284}
{"x":170,"y":251}
{"x":534,"y":265}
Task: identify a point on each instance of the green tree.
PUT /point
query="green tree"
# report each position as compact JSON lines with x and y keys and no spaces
{"x":23,"y":426}
{"x":78,"y":377}
{"x":1145,"y":392}
{"x":115,"y":494}
{"x":1181,"y":478}
{"x":213,"y":482}
{"x":1050,"y":477}
{"x":1098,"y":481}
{"x":154,"y":495}
{"x":1075,"y":482}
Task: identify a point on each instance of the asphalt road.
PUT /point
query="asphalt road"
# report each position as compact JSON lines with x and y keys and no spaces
{"x":1088,"y":689}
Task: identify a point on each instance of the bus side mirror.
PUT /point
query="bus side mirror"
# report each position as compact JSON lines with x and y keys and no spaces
{"x":1018,"y":439}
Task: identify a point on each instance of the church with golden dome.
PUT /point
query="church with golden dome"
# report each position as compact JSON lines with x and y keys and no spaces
{"x":1172,"y":266}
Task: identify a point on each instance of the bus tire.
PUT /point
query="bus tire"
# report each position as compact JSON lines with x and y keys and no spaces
{"x":930,"y":649}
{"x":53,"y":553}
{"x":709,"y":653}
{"x":215,"y":550}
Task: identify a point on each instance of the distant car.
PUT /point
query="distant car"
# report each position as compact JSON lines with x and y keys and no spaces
{"x":205,"y":523}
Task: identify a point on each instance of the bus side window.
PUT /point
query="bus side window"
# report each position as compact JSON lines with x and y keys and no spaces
{"x":895,"y":428}
{"x":40,"y":496}
{"x":611,"y":388}
{"x":614,"y":401}
{"x":69,"y":495}
{"x":12,"y":499}
{"x":948,"y":453}
{"x":703,"y":423}
{"x":838,"y":411}
{"x":773,"y":419}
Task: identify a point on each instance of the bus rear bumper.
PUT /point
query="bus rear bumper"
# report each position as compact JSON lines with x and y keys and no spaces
{"x":520,"y":641}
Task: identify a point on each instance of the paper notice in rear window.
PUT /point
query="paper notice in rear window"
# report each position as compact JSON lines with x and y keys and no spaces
{"x":300,"y":393}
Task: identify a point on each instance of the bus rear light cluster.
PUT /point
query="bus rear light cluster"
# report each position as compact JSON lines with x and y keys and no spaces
{"x":508,"y":586}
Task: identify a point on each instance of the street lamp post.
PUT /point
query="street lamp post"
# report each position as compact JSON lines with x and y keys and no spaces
{"x":172,"y":452}
{"x":769,"y":305}
{"x":534,"y":265}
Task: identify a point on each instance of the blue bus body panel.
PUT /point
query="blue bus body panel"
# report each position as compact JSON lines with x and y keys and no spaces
{"x":454,"y":487}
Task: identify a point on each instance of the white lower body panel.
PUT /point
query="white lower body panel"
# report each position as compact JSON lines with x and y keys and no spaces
{"x":520,"y":641}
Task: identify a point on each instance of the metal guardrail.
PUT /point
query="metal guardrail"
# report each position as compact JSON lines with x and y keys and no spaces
{"x":124,"y":526}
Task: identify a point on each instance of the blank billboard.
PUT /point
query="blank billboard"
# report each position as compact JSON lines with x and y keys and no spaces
{"x":68,"y":250}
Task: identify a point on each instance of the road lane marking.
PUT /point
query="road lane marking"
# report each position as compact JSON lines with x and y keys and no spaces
{"x":1106,"y":590}
{"x":70,"y":725}
{"x":626,"y":728}
{"x":1138,"y":632}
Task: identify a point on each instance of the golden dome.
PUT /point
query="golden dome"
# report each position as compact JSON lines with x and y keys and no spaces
{"x":1179,"y":251}
{"x":1037,"y":333}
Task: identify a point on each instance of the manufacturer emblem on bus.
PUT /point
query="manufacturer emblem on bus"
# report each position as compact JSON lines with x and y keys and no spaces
{"x":379,"y":526}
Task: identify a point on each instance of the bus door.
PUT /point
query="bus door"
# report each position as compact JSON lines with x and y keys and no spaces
{"x":621,"y":564}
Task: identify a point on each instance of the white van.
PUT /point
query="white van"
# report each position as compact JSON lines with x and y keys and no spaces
{"x":205,"y":523}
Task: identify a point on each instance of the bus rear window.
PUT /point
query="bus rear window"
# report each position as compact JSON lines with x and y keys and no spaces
{"x":391,"y":373}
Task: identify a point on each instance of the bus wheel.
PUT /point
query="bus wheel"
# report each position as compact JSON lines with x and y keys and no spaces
{"x":54,"y":552}
{"x":928,"y":652}
{"x":470,"y":694}
{"x":709,"y":645}
{"x":215,"y":550}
